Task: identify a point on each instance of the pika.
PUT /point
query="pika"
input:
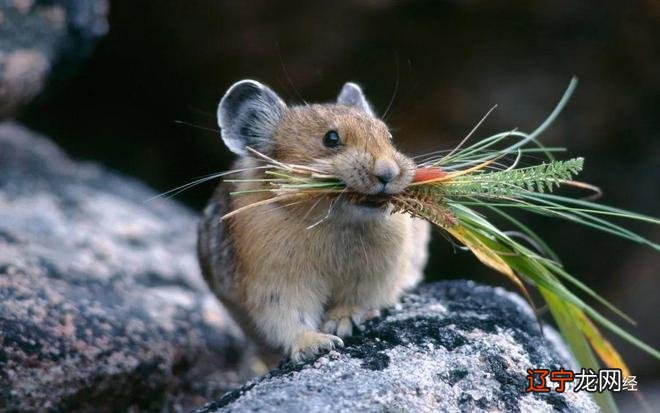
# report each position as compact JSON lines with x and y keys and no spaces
{"x":298,"y":278}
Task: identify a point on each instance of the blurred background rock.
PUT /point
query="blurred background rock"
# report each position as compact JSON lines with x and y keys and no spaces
{"x":442,"y":64}
{"x":44,"y":41}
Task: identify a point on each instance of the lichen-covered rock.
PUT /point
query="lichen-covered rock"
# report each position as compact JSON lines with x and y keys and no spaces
{"x":102,"y":306}
{"x":41,"y":38}
{"x":448,"y":347}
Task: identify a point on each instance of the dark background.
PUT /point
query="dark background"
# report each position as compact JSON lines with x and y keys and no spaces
{"x":444,"y":64}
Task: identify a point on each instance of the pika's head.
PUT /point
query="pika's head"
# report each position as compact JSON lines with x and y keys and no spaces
{"x":342,"y":138}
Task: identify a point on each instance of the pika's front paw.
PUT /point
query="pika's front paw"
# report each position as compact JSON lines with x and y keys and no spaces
{"x":310,"y":343}
{"x":340,"y":320}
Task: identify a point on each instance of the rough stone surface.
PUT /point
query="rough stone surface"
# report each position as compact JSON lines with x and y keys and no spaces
{"x":43,"y":38}
{"x":449,"y":347}
{"x":102,"y":306}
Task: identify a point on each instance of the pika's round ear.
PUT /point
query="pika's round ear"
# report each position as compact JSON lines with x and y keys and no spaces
{"x":248,"y":115}
{"x":351,"y":95}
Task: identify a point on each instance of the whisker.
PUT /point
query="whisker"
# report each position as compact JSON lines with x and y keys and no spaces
{"x":200,"y":111}
{"x":288,"y":79}
{"x":396,"y":88}
{"x":180,"y":122}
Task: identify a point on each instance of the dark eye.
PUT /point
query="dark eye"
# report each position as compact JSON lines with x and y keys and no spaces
{"x":331,"y":139}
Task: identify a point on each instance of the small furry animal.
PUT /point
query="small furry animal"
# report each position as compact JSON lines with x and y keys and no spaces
{"x":299,"y":277}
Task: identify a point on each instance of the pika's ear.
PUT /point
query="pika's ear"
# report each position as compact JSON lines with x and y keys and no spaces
{"x":248,"y":115}
{"x":351,"y":95}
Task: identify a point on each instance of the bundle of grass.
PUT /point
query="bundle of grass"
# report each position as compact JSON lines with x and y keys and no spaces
{"x":456,"y":189}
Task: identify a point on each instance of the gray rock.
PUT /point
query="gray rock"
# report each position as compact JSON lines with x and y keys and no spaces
{"x":449,"y":347}
{"x":44,"y":39}
{"x":102,"y":306}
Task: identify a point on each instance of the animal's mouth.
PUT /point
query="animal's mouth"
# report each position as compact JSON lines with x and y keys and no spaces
{"x":370,"y":201}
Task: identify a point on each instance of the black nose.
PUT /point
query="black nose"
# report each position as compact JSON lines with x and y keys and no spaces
{"x":385,"y":170}
{"x":386,"y":177}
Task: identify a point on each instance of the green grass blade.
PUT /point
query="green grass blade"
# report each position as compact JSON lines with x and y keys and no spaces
{"x":523,"y":262}
{"x":578,"y":344}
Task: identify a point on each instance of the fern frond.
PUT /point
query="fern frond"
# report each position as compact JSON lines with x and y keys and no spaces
{"x":510,"y":183}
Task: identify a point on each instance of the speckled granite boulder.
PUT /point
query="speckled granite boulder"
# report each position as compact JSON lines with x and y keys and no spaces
{"x":449,"y":347}
{"x":102,"y":307}
{"x":43,"y":38}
